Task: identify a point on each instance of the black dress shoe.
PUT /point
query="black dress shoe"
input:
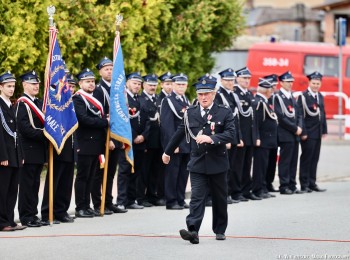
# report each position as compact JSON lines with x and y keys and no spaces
{"x":191,"y":236}
{"x":240,"y":198}
{"x":65,"y":219}
{"x":106,"y":212}
{"x":32,"y":223}
{"x":286,"y":192}
{"x":160,"y":202}
{"x":317,"y":189}
{"x":46,"y":222}
{"x":175,"y":207}
{"x":118,"y":208}
{"x":252,"y":196}
{"x":220,"y":237}
{"x":83,"y":214}
{"x":147,"y":204}
{"x":306,"y":190}
{"x":134,"y":206}
{"x":296,"y":191}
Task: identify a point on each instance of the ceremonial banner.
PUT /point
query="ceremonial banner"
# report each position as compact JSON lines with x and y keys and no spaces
{"x":119,"y":113}
{"x":60,"y":118}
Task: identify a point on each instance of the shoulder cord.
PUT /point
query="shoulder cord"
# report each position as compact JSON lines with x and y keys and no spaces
{"x":283,"y":107}
{"x":188,"y":132}
{"x":224,"y":100}
{"x":105,"y":95}
{"x":247,"y":113}
{"x":30,"y":116}
{"x":6,"y":127}
{"x":171,"y":105}
{"x":272,"y":115}
{"x":308,"y":111}
{"x":98,"y":113}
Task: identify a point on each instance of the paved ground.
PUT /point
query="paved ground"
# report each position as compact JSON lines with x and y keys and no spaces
{"x":308,"y":226}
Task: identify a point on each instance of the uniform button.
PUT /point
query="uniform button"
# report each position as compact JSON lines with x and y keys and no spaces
{"x":203,"y":127}
{"x":206,"y":152}
{"x":90,"y":137}
{"x":218,"y":142}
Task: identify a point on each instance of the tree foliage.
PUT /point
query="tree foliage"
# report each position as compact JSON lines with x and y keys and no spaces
{"x":156,"y":35}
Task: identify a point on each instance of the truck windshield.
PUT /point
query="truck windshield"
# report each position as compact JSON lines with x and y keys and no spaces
{"x":326,"y":65}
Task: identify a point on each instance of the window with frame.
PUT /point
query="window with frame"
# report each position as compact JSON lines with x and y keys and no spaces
{"x":326,"y":65}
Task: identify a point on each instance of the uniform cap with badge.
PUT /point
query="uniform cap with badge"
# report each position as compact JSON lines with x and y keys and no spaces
{"x":180,"y":78}
{"x":273,"y":78}
{"x":85,"y":74}
{"x":315,"y":75}
{"x":134,"y":76}
{"x":71,"y":79}
{"x":7,"y":77}
{"x":265,"y":83}
{"x":104,"y":62}
{"x":151,"y":79}
{"x":228,"y":74}
{"x":30,"y":77}
{"x":205,"y":84}
{"x":287,"y":77}
{"x":166,"y":77}
{"x":243,"y":73}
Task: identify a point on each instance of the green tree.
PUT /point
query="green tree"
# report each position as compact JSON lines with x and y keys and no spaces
{"x":156,"y":35}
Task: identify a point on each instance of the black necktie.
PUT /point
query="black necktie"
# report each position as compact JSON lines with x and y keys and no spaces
{"x":206,"y":111}
{"x":36,"y":102}
{"x":316,"y":98}
{"x":136,"y":97}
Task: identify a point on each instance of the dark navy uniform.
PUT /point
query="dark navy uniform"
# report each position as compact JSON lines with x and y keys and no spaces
{"x":208,"y":163}
{"x":223,"y":96}
{"x":289,"y":119}
{"x":102,"y":93}
{"x":30,"y":127}
{"x":243,"y":161}
{"x":271,"y":167}
{"x":91,"y":137}
{"x":176,"y":173}
{"x":315,"y":125}
{"x":127,"y":181}
{"x":11,"y":151}
{"x":153,"y":164}
{"x":63,"y":174}
{"x":266,"y":132}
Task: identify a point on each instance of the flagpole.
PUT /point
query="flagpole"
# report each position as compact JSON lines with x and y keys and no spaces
{"x":50,"y":12}
{"x":119,"y":19}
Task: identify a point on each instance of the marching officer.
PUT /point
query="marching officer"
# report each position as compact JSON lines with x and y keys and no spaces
{"x":128,"y":182}
{"x":11,"y":155}
{"x":102,"y":93}
{"x":176,"y":173}
{"x":30,"y":120}
{"x":311,"y":103}
{"x":226,"y":96}
{"x":265,"y":136}
{"x":209,"y":127}
{"x":289,"y":130}
{"x":271,"y":168}
{"x":91,"y":136}
{"x":152,"y":164}
{"x":243,"y":160}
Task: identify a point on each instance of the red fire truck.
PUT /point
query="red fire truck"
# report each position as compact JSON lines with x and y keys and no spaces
{"x":301,"y":59}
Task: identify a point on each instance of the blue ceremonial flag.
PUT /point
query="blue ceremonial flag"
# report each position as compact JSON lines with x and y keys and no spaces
{"x":60,"y":118}
{"x":119,"y":112}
